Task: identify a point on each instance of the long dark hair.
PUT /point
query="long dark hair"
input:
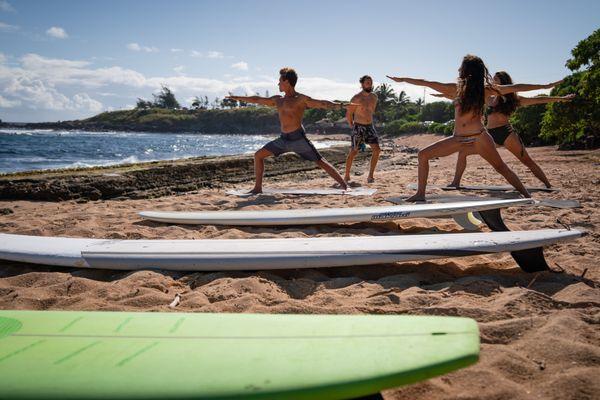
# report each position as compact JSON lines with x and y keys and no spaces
{"x":472,"y":81}
{"x":508,"y":103}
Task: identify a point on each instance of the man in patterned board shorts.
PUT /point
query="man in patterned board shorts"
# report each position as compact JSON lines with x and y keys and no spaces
{"x":360,"y":119}
{"x":291,"y":108}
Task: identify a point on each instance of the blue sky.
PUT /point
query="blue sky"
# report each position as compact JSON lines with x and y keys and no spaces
{"x":72,"y":59}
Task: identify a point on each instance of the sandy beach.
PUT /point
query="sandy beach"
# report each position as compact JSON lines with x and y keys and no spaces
{"x":540,"y":332}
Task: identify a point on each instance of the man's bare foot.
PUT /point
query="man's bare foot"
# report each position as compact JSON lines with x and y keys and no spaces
{"x":370,"y":180}
{"x":416,"y":198}
{"x":453,"y":185}
{"x":255,"y":191}
{"x":347,"y":179}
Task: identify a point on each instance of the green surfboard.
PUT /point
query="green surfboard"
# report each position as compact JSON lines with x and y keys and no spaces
{"x":125,"y":355}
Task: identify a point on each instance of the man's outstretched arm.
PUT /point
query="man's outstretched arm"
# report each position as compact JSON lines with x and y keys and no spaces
{"x":324,"y":104}
{"x":265,"y":101}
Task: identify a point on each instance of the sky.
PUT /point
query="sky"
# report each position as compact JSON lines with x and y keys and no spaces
{"x":62,"y":60}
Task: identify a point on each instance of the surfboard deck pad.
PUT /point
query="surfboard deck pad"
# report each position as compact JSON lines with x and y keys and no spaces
{"x":116,"y":355}
{"x":490,"y":188}
{"x":358,"y":191}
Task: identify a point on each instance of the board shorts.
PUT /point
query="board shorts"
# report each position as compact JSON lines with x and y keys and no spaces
{"x":294,"y":142}
{"x":363,"y":134}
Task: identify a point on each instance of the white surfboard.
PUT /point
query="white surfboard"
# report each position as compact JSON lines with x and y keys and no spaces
{"x":264,"y":254}
{"x":329,"y":215}
{"x":491,"y":188}
{"x":552,"y":203}
{"x":360,"y":191}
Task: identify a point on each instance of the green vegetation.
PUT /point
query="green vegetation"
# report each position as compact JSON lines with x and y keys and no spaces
{"x":242,"y":120}
{"x":574,"y":124}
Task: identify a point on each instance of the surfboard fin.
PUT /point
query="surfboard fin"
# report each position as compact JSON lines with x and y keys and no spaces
{"x":530,"y":260}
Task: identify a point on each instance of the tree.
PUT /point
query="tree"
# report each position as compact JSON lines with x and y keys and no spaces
{"x":166,"y":99}
{"x":527,"y":122}
{"x":143,"y":104}
{"x":197,"y":103}
{"x":402,"y":98}
{"x":385,"y":99}
{"x":229,"y":103}
{"x":576,"y":124}
{"x":437,"y":111}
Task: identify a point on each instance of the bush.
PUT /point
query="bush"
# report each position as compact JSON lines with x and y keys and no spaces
{"x":576,"y":124}
{"x":527,"y":121}
{"x":438,"y":111}
{"x":400,"y":127}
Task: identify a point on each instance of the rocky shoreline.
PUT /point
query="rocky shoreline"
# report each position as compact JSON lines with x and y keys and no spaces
{"x":154,"y":179}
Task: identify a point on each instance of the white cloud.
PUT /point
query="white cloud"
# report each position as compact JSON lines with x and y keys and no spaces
{"x":5,"y":103}
{"x":195,"y":53}
{"x":215,"y":54}
{"x":4,"y":27}
{"x":2,"y":58}
{"x":176,"y":50}
{"x":57,"y":32}
{"x":6,"y":6}
{"x":137,"y":47}
{"x":85,"y":102}
{"x":242,"y":66}
{"x":58,"y":84}
{"x":179,"y":69}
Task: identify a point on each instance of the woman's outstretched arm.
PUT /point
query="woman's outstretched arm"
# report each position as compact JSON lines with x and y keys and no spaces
{"x":530,"y":101}
{"x":445,"y":88}
{"x":519,"y":87}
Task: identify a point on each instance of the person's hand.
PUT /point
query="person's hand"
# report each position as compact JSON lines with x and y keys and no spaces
{"x":396,"y":79}
{"x":552,"y":84}
{"x":347,"y":105}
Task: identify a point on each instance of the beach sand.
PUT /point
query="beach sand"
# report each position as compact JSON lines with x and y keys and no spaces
{"x":540,"y":332}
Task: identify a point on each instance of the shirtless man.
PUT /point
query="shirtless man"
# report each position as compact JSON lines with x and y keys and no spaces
{"x":360,"y":119}
{"x":291,"y":108}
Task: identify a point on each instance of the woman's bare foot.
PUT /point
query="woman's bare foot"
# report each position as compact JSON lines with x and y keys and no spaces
{"x":370,"y":180}
{"x":453,"y":185}
{"x":256,"y":190}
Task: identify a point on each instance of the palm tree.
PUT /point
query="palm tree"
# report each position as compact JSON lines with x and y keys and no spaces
{"x":197,"y":103}
{"x":385,"y":99}
{"x":402,"y":98}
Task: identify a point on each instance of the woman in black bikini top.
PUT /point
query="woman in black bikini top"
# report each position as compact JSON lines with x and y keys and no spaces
{"x":473,"y":87}
{"x":499,"y":109}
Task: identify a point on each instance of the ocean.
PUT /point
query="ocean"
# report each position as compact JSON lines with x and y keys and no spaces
{"x":29,"y":150}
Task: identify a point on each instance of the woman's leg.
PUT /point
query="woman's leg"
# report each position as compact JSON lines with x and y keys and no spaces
{"x":441,"y":148}
{"x":487,"y":149}
{"x":514,"y":144}
{"x":461,"y":165}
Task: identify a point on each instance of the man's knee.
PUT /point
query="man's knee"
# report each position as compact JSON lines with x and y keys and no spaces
{"x":261,"y":154}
